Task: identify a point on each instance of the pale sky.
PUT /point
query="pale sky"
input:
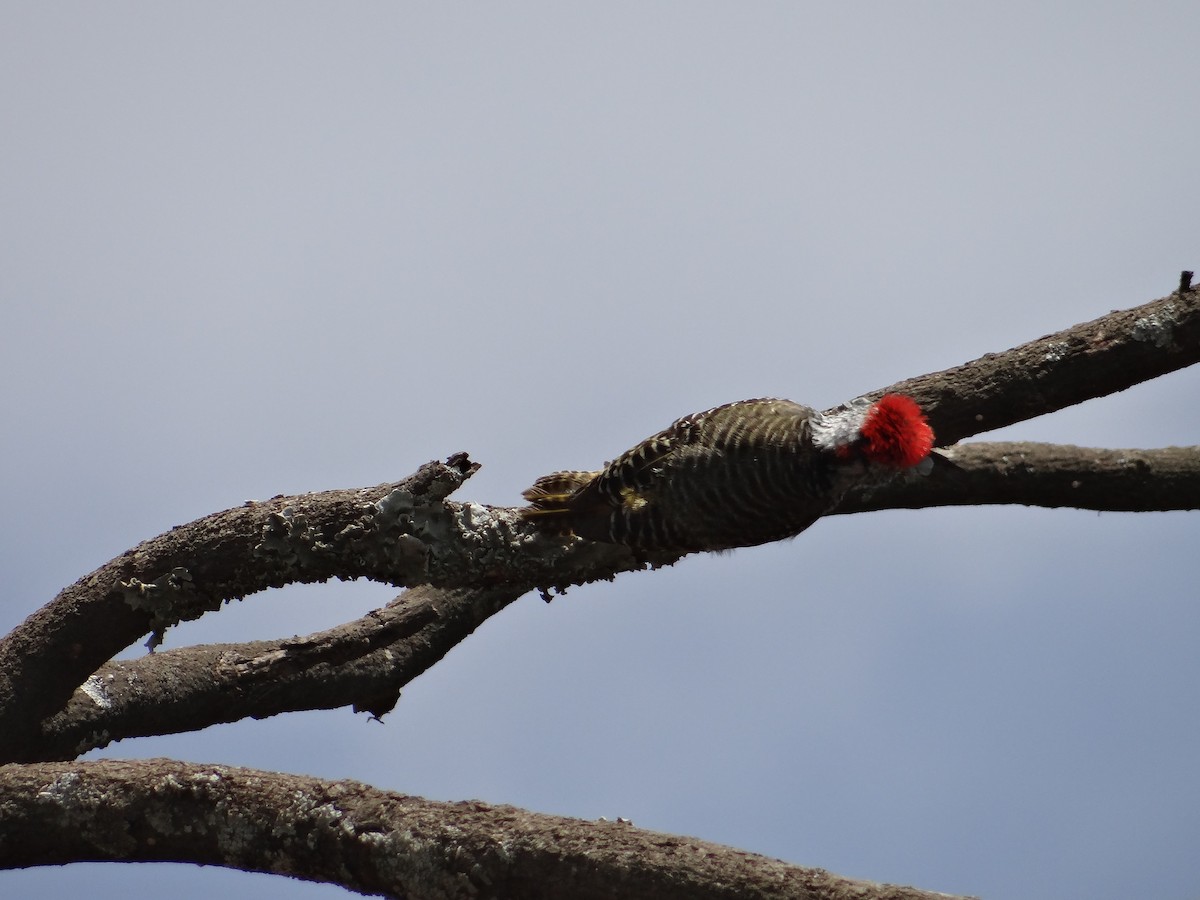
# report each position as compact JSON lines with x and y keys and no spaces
{"x":262,"y":248}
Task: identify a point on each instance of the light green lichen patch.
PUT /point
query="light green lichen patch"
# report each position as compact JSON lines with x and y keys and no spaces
{"x":1156,"y":328}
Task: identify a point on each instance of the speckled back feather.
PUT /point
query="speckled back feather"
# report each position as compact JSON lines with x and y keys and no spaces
{"x":738,"y":475}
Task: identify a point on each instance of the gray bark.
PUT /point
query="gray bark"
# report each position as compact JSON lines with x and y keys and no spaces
{"x":62,"y":694}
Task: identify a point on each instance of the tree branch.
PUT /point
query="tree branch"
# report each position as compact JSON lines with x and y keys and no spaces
{"x":403,"y":533}
{"x":407,"y":533}
{"x":463,"y":562}
{"x":1047,"y":475}
{"x":362,"y":664}
{"x":374,"y":841}
{"x":365,"y":663}
{"x":1095,"y":359}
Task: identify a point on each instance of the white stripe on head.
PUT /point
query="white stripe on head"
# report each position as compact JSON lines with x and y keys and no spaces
{"x":842,"y":428}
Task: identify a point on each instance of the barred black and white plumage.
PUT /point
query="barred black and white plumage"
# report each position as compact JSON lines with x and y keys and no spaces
{"x":741,"y":474}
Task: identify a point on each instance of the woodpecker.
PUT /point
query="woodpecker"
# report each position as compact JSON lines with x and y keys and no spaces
{"x":738,"y":475}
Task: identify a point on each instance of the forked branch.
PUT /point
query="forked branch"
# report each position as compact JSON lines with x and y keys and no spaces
{"x":375,"y":842}
{"x":60,"y":693}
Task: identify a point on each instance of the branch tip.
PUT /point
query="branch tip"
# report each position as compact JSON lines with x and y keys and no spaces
{"x":461,"y":461}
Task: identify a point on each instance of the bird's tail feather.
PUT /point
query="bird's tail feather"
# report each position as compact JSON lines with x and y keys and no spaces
{"x":552,"y":494}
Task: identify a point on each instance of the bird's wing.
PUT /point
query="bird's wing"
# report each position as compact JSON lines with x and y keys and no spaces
{"x":719,"y":428}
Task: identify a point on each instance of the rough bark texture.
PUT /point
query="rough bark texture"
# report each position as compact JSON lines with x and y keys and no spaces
{"x":60,"y":693}
{"x":1094,"y":359}
{"x":362,"y":664}
{"x":365,"y":663}
{"x":1046,"y":475}
{"x":403,"y":533}
{"x":373,"y":841}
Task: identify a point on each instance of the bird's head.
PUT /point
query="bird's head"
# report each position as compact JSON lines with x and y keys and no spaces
{"x":891,"y":432}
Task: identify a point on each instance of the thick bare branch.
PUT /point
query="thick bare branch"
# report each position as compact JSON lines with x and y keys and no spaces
{"x":362,"y":664}
{"x":407,"y":533}
{"x":373,"y":841}
{"x":1048,"y":475}
{"x":467,"y":562}
{"x":403,"y":533}
{"x":365,"y":663}
{"x":384,"y":532}
{"x":1095,"y":359}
